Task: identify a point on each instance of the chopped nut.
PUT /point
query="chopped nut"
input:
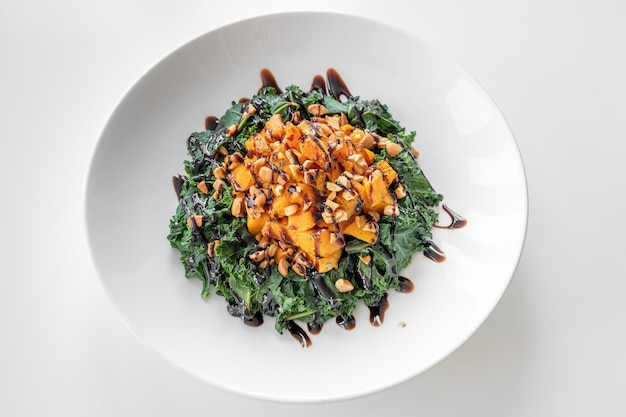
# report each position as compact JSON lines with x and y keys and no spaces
{"x":291,"y":209}
{"x":393,"y":148}
{"x":203,"y":187}
{"x":331,"y":206}
{"x":343,"y":285}
{"x":360,"y":165}
{"x":331,"y":186}
{"x":332,"y":238}
{"x":260,"y":199}
{"x":271,"y":251}
{"x":218,"y":185}
{"x":325,"y":130}
{"x":300,"y":258}
{"x":219,"y":172}
{"x":283,"y":267}
{"x":370,"y":227}
{"x":237,"y":207}
{"x":266,"y":174}
{"x":415,"y":152}
{"x":389,"y":210}
{"x":278,"y":190}
{"x":264,"y":241}
{"x":400,"y":191}
{"x":258,"y":256}
{"x":195,"y":220}
{"x":343,"y":119}
{"x":250,"y":109}
{"x":348,"y":195}
{"x":210,"y":250}
{"x":256,"y":166}
{"x":333,"y":121}
{"x":317,"y":110}
{"x":360,"y":221}
{"x":232,"y":129}
{"x":374,"y":215}
{"x":296,"y":118}
{"x":343,"y":181}
{"x":332,"y":196}
{"x":299,"y":269}
{"x":367,"y":141}
{"x":341,"y":215}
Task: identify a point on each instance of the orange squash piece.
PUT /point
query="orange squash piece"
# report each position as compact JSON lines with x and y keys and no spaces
{"x":275,"y":128}
{"x":351,"y":228}
{"x":389,"y":174}
{"x":329,"y":262}
{"x":241,"y":179}
{"x":313,"y":150}
{"x":377,"y":194}
{"x":303,"y":219}
{"x":255,"y":226}
{"x":292,"y":136}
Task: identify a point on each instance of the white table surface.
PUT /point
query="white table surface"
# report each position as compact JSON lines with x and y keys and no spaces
{"x":554,"y":346}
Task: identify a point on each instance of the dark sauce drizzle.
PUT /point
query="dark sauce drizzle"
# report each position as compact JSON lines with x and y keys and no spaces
{"x":346,"y":322}
{"x":337,"y":88}
{"x":268,"y":80}
{"x":298,"y":333}
{"x":456,"y":220}
{"x":434,"y":252}
{"x":318,"y":84}
{"x":211,"y":122}
{"x":378,"y":310}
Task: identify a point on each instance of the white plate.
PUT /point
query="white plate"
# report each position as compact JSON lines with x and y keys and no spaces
{"x":467,"y":151}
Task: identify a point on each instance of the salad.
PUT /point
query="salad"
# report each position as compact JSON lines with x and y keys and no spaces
{"x":299,"y":205}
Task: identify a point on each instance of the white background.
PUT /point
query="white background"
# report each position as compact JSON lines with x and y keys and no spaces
{"x":554,"y":345}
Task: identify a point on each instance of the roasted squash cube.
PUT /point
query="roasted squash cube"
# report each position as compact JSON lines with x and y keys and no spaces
{"x":329,"y":262}
{"x":378,"y":196}
{"x":292,"y":136}
{"x":255,"y":226}
{"x":313,"y":150}
{"x":275,"y":128}
{"x":303,"y":219}
{"x":241,"y":178}
{"x":355,"y":228}
{"x":389,"y":174}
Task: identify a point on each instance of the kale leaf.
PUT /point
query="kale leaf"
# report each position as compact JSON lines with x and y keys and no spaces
{"x":250,"y":290}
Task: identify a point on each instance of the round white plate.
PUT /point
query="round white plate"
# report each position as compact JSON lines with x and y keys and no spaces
{"x":467,"y":151}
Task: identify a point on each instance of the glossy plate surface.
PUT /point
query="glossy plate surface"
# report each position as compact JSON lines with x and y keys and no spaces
{"x":467,"y":151}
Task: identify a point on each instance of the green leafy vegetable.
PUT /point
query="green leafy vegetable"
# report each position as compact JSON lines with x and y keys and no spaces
{"x":215,"y":248}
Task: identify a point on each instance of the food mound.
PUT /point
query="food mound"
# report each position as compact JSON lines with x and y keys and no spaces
{"x":298,"y":205}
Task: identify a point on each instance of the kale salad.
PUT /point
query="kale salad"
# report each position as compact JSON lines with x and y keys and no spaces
{"x":300,"y":205}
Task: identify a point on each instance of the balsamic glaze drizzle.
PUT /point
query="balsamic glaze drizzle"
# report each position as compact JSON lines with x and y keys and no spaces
{"x":456,"y":220}
{"x":298,"y":333}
